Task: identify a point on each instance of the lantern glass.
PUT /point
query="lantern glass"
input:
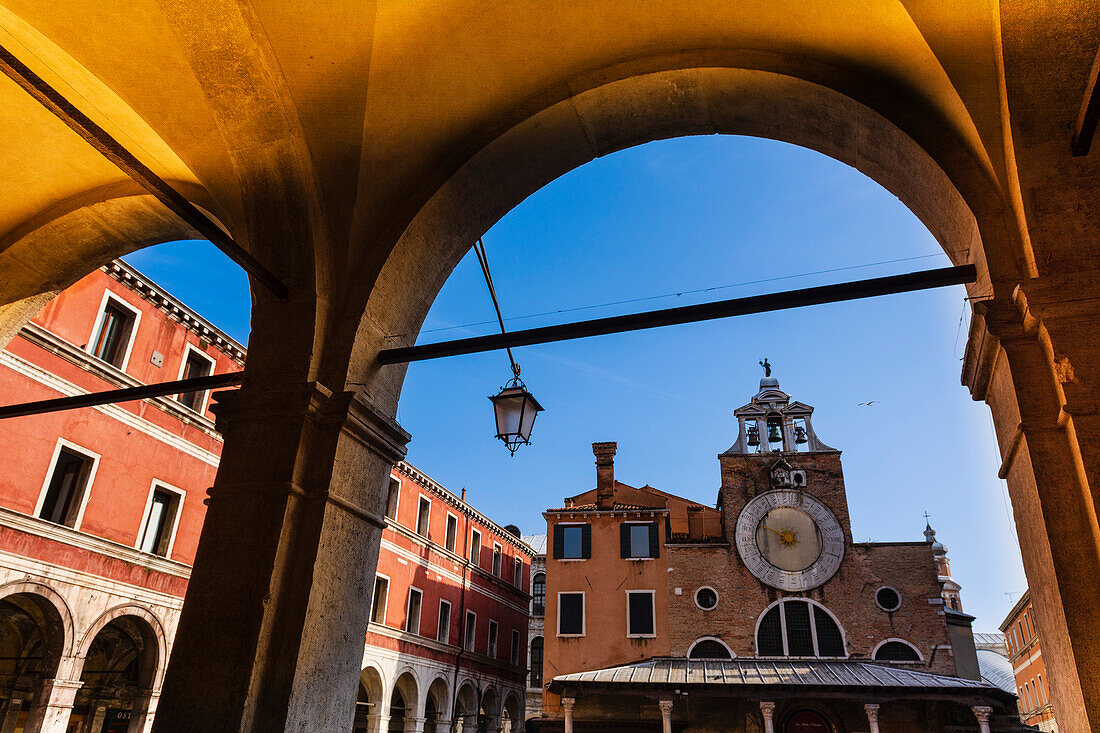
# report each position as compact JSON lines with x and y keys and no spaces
{"x":515,"y":410}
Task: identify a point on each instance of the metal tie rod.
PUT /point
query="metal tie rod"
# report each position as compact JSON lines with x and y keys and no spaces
{"x":195,"y":384}
{"x":871,"y":288}
{"x":111,"y":149}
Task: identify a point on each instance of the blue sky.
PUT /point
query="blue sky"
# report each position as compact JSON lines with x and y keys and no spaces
{"x":665,"y":219}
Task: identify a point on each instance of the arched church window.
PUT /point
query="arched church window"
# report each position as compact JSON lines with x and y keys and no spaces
{"x":798,"y":628}
{"x":708,"y":649}
{"x":896,"y":651}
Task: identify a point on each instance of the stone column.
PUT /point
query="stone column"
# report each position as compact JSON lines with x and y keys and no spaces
{"x":872,"y":716}
{"x":1053,"y":482}
{"x":12,"y":710}
{"x":442,"y":725}
{"x":145,"y":708}
{"x":270,"y":637}
{"x":94,"y":724}
{"x":982,"y":713}
{"x":567,"y":704}
{"x":414,"y":724}
{"x":768,"y":710}
{"x":51,"y":710}
{"x":378,"y":723}
{"x":666,"y":715}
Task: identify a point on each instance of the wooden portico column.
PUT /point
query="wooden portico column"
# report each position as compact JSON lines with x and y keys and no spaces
{"x":1052,"y":489}
{"x":271,"y":634}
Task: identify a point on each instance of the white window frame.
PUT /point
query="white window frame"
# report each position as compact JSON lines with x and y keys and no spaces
{"x":919,"y":660}
{"x":374,"y":600}
{"x":1042,"y":690}
{"x":498,"y":559}
{"x":517,"y":571}
{"x":181,"y":496}
{"x":97,"y":326}
{"x":428,"y":521}
{"x":470,"y":547}
{"x":454,"y":547}
{"x":584,"y":613}
{"x":420,"y":614}
{"x":701,"y":639}
{"x":469,"y":641}
{"x":188,"y":350}
{"x":653,"y":609}
{"x":492,"y":645}
{"x":884,"y":608}
{"x":447,"y":631}
{"x":813,"y":628}
{"x":550,"y":539}
{"x":647,"y":523}
{"x":514,"y":658}
{"x":695,"y":598}
{"x":62,"y":443}
{"x":397,"y":501}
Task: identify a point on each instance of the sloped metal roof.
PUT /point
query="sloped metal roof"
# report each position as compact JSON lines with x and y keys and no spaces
{"x":755,"y":672}
{"x":996,"y":670}
{"x":536,"y":542}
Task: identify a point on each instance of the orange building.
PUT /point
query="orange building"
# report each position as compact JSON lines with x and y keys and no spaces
{"x":1026,"y":655}
{"x":758,"y":614}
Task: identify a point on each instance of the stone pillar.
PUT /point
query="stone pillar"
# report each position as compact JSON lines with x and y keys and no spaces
{"x":1052,"y":481}
{"x":145,"y":708}
{"x":414,"y":724}
{"x":94,"y":724}
{"x":270,"y":637}
{"x":378,"y":723}
{"x":666,"y":715}
{"x":768,"y":710}
{"x":12,"y":710}
{"x":567,"y":704}
{"x":442,"y":725}
{"x":982,"y":713}
{"x":52,"y":707}
{"x":872,"y":716}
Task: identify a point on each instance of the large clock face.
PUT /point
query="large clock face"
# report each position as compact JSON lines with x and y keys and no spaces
{"x":789,"y":540}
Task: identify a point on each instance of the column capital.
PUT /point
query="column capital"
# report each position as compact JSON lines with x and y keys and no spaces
{"x":872,"y":712}
{"x":665,"y":705}
{"x":982,"y":713}
{"x":567,"y":703}
{"x":768,"y":709}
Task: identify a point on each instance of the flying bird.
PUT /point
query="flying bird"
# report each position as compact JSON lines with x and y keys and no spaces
{"x":868,"y":404}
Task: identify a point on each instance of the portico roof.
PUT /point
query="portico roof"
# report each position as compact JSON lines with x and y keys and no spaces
{"x":760,"y":673}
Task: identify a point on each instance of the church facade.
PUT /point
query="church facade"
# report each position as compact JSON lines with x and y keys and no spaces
{"x":758,"y":614}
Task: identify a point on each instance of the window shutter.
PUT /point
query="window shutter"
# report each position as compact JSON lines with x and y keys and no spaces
{"x":654,"y":541}
{"x":624,"y":540}
{"x":559,"y":541}
{"x":586,"y":541}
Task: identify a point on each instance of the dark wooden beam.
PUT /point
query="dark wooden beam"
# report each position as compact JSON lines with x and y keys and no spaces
{"x":1089,"y":116}
{"x":688,"y":314}
{"x":182,"y":386}
{"x":111,"y":149}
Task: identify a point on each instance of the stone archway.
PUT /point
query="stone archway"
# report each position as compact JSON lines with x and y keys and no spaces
{"x":35,"y":638}
{"x":123,"y":655}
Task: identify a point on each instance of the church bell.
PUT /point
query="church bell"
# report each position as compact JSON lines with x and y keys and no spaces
{"x":754,"y":435}
{"x":799,"y":434}
{"x":774,"y":436}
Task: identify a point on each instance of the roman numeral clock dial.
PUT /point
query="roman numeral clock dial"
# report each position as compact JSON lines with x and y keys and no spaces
{"x":789,"y":540}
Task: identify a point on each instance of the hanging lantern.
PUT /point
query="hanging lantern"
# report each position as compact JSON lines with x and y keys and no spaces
{"x":774,"y":435}
{"x":799,"y":434}
{"x":515,"y":410}
{"x":754,"y":435}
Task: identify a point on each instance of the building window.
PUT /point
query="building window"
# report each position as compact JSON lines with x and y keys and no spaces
{"x":452,"y":532}
{"x":67,"y":486}
{"x":572,"y":541}
{"x":1042,"y":690}
{"x":896,"y":650}
{"x":517,"y":573}
{"x":470,"y":631}
{"x":443,"y":628}
{"x":888,"y":599}
{"x":535,"y":659}
{"x":423,"y":515}
{"x":639,"y":614}
{"x":538,"y":595}
{"x":796,"y":628}
{"x":160,"y":521}
{"x":412,"y":617}
{"x":709,"y":649}
{"x":475,"y":547}
{"x":515,"y":648}
{"x":113,"y":333}
{"x":393,"y":498}
{"x":706,"y":598}
{"x":195,"y":365}
{"x":638,"y":540}
{"x":381,"y":596}
{"x":493,"y":628}
{"x":570,"y":614}
{"x":497,"y":559}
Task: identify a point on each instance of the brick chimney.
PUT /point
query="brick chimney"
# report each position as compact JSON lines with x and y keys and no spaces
{"x":605,"y":474}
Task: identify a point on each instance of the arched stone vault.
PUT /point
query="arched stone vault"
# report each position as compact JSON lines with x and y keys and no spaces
{"x":359,"y":149}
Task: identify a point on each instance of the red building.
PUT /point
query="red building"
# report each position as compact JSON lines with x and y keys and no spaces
{"x":1026,"y":655}
{"x":101,"y":510}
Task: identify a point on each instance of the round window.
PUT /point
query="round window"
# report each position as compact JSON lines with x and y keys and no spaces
{"x":888,"y":599}
{"x":706,"y":598}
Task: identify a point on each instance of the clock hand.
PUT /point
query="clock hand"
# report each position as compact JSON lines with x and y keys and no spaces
{"x":776,"y":531}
